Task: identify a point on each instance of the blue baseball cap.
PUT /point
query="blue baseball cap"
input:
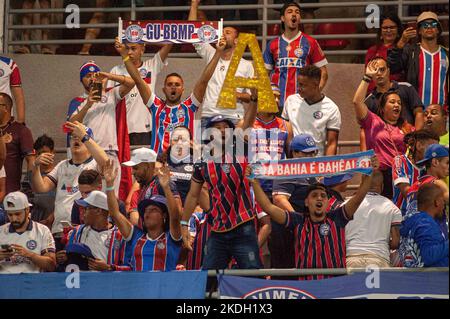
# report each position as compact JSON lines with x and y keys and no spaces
{"x":433,"y":151}
{"x":80,"y":249}
{"x":303,"y":143}
{"x":336,"y":179}
{"x":219,"y":118}
{"x":157,"y":200}
{"x":89,"y":66}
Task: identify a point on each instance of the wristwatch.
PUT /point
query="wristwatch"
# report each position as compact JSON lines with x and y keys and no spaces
{"x":85,"y":138}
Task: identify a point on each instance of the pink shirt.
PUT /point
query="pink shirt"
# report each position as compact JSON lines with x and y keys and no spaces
{"x":385,"y":139}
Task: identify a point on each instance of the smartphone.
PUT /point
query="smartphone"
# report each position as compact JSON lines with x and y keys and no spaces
{"x":97,"y":86}
{"x":7,"y":247}
{"x":66,"y":223}
{"x":412,"y":24}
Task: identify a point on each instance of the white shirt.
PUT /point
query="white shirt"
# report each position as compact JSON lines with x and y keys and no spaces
{"x":245,"y":70}
{"x":313,"y":119}
{"x":370,"y":229}
{"x":97,"y":241}
{"x":65,"y":176}
{"x":138,"y":118}
{"x":37,"y":239}
{"x":101,"y":118}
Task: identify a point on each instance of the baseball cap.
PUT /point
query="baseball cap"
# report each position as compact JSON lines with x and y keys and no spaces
{"x":336,"y":179}
{"x":433,"y":151}
{"x":80,"y":249}
{"x":217,"y":119}
{"x":427,"y":15}
{"x":141,"y":155}
{"x":89,"y":66}
{"x":16,"y":201}
{"x":303,"y":143}
{"x":96,"y":199}
{"x":157,"y":200}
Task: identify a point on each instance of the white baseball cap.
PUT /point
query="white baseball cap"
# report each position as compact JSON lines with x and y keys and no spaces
{"x":16,"y":201}
{"x":96,"y":199}
{"x":141,"y":155}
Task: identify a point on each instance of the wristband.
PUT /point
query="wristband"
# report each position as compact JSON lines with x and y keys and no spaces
{"x":111,"y":188}
{"x":184,"y":223}
{"x":367,"y":79}
{"x":126,"y":58}
{"x":85,"y":138}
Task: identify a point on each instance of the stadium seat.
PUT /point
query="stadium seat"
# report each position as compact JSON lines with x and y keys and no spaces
{"x":335,"y":28}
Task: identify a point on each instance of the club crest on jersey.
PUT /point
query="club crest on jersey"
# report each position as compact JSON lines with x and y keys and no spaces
{"x":161,"y":245}
{"x":318,"y":115}
{"x":181,"y":113}
{"x":143,"y":72}
{"x":324,"y":229}
{"x":298,"y":52}
{"x":134,"y":33}
{"x":104,"y":99}
{"x":2,"y":73}
{"x":206,"y":33}
{"x":31,"y":244}
{"x":226,"y":168}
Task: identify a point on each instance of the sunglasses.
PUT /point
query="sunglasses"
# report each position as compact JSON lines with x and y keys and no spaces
{"x":429,"y":25}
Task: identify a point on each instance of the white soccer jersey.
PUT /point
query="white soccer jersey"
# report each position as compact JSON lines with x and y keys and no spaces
{"x":138,"y":119}
{"x":37,"y":238}
{"x":245,"y":70}
{"x":313,"y":119}
{"x":9,"y":75}
{"x":65,"y":176}
{"x":369,"y":231}
{"x":101,"y":118}
{"x":97,"y":241}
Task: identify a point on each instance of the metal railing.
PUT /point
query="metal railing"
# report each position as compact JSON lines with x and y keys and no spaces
{"x":263,"y":23}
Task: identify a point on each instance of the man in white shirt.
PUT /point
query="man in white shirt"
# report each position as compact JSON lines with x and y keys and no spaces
{"x":86,"y":154}
{"x":374,"y":229}
{"x":138,"y":122}
{"x":245,"y":70}
{"x":311,"y":112}
{"x":97,"y":233}
{"x":26,"y":246}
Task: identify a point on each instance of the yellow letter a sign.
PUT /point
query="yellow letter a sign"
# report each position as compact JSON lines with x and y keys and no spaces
{"x":227,"y":97}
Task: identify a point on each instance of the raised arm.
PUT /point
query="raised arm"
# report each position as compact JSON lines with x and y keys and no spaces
{"x":352,"y":205}
{"x":91,"y":99}
{"x":142,"y":86}
{"x":126,"y":83}
{"x":361,"y":108}
{"x":276,"y":214}
{"x":79,"y":130}
{"x":172,"y":206}
{"x":193,"y":10}
{"x":109,"y":173}
{"x":41,"y":184}
{"x":189,"y":205}
{"x":323,"y":77}
{"x":250,"y":111}
{"x":202,"y":83}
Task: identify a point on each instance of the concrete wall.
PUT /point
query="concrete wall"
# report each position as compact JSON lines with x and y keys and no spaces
{"x":50,"y":82}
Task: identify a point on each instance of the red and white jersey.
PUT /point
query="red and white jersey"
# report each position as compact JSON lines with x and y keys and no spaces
{"x":138,"y":120}
{"x":284,"y":58}
{"x":432,"y":73}
{"x":9,"y":75}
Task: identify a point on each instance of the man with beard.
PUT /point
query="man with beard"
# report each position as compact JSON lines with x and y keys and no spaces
{"x":287,"y":54}
{"x":319,"y":235}
{"x":142,"y":163}
{"x":167,"y":114}
{"x":245,"y":70}
{"x":426,"y":62}
{"x":26,"y":246}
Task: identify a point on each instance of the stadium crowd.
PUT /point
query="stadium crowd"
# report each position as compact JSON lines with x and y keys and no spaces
{"x":180,"y":210}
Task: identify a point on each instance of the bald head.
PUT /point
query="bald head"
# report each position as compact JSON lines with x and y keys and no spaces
{"x":430,"y":199}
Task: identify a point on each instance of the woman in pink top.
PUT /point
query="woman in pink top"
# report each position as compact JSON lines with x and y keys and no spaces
{"x":384,"y":129}
{"x":388,"y":35}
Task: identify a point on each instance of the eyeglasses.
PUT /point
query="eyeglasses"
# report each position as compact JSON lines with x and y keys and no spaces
{"x":389,"y":27}
{"x":429,"y":25}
